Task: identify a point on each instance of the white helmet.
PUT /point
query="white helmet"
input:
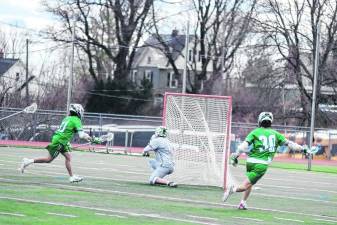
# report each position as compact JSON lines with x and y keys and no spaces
{"x":265,"y":116}
{"x":78,"y":109}
{"x":161,"y":131}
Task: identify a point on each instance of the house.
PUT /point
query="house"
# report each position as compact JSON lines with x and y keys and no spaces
{"x":12,"y":76}
{"x":151,"y":63}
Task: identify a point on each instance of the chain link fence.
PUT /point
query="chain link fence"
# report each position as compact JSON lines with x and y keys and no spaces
{"x":135,"y":131}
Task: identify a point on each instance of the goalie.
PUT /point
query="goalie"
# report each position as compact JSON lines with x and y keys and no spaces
{"x":163,"y":164}
{"x":61,"y":141}
{"x":264,"y":142}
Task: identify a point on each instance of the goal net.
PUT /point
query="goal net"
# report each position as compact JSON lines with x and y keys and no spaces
{"x":199,"y":128}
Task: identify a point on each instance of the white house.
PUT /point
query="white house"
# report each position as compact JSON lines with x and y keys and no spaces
{"x":12,"y":76}
{"x":151,"y":63}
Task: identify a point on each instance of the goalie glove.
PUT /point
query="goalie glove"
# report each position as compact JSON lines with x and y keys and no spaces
{"x":95,"y":140}
{"x":146,"y":154}
{"x":234,"y":159}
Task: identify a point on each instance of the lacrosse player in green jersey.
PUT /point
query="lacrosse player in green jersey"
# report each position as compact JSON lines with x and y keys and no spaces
{"x":60,"y":142}
{"x":263,"y":141}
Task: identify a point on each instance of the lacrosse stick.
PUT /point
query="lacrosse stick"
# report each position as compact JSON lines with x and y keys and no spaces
{"x":29,"y":109}
{"x":104,"y":138}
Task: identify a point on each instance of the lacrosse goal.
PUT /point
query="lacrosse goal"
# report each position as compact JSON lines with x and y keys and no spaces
{"x":199,"y":128}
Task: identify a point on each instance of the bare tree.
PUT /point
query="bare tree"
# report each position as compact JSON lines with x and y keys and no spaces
{"x":109,"y":30}
{"x":221,"y":29}
{"x":292,"y":28}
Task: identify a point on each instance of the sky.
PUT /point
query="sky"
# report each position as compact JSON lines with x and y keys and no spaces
{"x":26,"y":13}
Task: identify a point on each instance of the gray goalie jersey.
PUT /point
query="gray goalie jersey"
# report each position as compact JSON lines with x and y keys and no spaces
{"x":163,"y":151}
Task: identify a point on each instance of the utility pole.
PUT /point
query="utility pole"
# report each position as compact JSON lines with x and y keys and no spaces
{"x":313,"y":104}
{"x":71,"y":71}
{"x":27,"y":73}
{"x":187,"y":40}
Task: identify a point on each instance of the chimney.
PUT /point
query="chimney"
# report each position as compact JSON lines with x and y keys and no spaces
{"x":174,"y":33}
{"x":1,"y":54}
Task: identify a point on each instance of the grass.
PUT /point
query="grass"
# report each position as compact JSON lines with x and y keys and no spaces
{"x":299,"y":166}
{"x":124,"y":197}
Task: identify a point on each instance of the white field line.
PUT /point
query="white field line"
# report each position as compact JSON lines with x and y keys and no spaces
{"x":298,"y":178}
{"x":202,"y":217}
{"x":131,"y":180}
{"x":296,"y":198}
{"x":111,"y":215}
{"x":265,"y":178}
{"x":98,"y":190}
{"x":108,"y":210}
{"x":265,"y":195}
{"x":296,"y":188}
{"x":86,"y":168}
{"x":61,"y":214}
{"x":12,"y":214}
{"x":245,"y":218}
{"x":286,"y":219}
{"x":255,"y":193}
{"x":329,"y":221}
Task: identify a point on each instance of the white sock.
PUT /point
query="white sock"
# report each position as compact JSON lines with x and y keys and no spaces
{"x":235,"y":188}
{"x":30,"y":161}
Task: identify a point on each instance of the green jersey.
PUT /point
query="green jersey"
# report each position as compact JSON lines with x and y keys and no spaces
{"x":264,"y":143}
{"x":69,"y":126}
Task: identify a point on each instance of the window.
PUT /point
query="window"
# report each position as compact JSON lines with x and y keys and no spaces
{"x":199,"y":56}
{"x":17,"y":76}
{"x":190,"y":55}
{"x":149,"y":60}
{"x":172,"y":82}
{"x":149,"y":75}
{"x":134,"y":76}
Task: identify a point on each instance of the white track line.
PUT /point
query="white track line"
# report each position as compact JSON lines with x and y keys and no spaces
{"x":79,"y":188}
{"x":12,"y":214}
{"x":246,"y":218}
{"x":112,"y":215}
{"x":265,"y":195}
{"x":329,"y":221}
{"x":108,"y":210}
{"x":286,"y":219}
{"x":260,"y":194}
{"x":61,"y":214}
{"x":296,"y":188}
{"x":296,"y":198}
{"x":202,"y":217}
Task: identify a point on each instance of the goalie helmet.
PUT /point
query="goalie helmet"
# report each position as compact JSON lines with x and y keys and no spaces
{"x":77,"y":109}
{"x":265,"y":116}
{"x":161,"y":131}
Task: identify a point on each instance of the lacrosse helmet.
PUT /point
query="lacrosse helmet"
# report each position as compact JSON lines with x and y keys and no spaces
{"x":77,"y":109}
{"x":265,"y":118}
{"x":161,"y":131}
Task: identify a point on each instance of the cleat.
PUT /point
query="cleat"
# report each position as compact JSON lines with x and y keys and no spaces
{"x":172,"y":184}
{"x":25,"y":162}
{"x":242,"y":206}
{"x":75,"y":179}
{"x":229,"y":191}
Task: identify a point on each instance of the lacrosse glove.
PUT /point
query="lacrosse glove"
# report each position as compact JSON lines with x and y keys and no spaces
{"x":234,"y":159}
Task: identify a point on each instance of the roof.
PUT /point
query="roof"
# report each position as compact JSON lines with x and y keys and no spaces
{"x":176,"y":44}
{"x":6,"y":64}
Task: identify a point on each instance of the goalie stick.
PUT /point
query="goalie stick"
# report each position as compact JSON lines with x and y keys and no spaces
{"x":104,"y":138}
{"x":29,"y":109}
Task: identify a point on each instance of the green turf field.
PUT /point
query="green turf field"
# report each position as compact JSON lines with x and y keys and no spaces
{"x":303,"y":167}
{"x":115,"y":192}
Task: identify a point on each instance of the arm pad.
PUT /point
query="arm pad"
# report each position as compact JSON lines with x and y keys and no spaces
{"x":147,"y":148}
{"x":243,"y":147}
{"x":294,"y":146}
{"x":84,"y":135}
